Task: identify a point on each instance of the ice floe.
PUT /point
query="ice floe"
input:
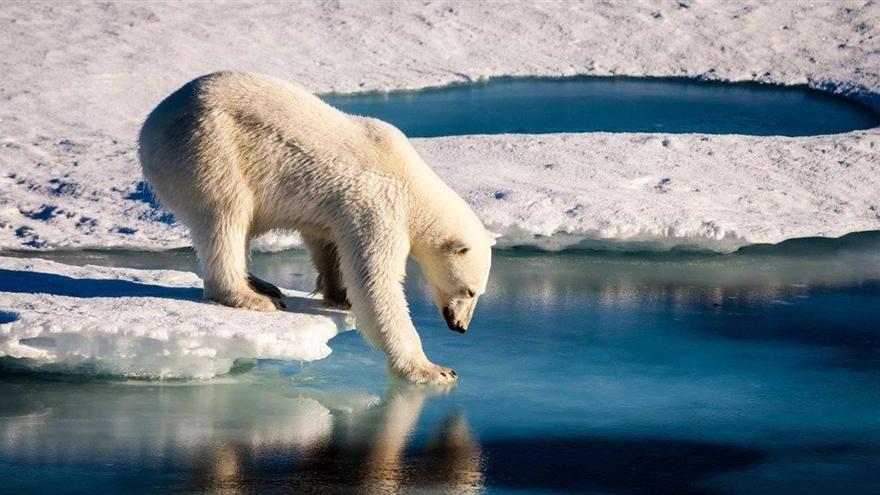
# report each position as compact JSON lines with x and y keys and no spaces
{"x":660,"y":191}
{"x":145,"y":323}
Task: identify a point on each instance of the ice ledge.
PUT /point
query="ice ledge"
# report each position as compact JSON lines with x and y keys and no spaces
{"x":145,"y":323}
{"x":716,"y":192}
{"x":551,"y":191}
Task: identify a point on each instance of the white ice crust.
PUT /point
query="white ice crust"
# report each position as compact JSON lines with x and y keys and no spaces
{"x":661,"y":191}
{"x":78,"y":78}
{"x":145,"y":323}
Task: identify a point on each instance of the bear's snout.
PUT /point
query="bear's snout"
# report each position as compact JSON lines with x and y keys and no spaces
{"x":453,"y":324}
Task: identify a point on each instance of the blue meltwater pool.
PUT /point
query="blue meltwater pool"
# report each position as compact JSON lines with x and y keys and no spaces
{"x":756,"y":372}
{"x":612,"y":104}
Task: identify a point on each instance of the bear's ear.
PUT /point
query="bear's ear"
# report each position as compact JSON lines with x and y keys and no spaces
{"x":492,"y":237}
{"x":456,"y":246}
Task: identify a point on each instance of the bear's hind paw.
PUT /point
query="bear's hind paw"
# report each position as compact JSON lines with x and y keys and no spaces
{"x":344,"y":305}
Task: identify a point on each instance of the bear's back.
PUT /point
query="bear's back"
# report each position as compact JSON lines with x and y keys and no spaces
{"x":263,"y":119}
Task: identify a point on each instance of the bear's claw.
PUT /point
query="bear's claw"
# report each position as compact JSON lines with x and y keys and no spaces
{"x":264,"y":287}
{"x":429,"y":373}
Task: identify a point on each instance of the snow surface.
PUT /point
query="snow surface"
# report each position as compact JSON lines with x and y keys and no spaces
{"x":656,"y":191}
{"x":80,"y":77}
{"x":145,"y":323}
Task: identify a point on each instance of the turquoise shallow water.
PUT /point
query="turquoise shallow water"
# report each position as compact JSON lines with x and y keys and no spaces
{"x":755,"y":372}
{"x":612,"y":104}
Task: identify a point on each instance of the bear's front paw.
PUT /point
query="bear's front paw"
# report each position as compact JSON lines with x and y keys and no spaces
{"x":426,"y":372}
{"x":251,"y":300}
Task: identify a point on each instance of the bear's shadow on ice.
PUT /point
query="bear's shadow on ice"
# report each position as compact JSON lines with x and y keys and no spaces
{"x":26,"y":282}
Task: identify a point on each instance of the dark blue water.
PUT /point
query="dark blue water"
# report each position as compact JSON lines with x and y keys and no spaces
{"x":606,"y":104}
{"x":756,"y":372}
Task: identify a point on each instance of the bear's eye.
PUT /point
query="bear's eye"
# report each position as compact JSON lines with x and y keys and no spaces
{"x":455,"y":246}
{"x":471,"y":293}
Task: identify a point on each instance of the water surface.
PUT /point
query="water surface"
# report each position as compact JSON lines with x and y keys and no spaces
{"x":755,"y":372}
{"x":612,"y":104}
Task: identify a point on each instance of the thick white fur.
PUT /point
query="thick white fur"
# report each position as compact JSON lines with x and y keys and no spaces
{"x":234,"y":155}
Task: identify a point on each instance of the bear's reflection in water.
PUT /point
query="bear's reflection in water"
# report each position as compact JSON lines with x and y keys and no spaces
{"x":365,"y":453}
{"x":240,"y":438}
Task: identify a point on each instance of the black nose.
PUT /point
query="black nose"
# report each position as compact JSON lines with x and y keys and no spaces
{"x":451,"y":323}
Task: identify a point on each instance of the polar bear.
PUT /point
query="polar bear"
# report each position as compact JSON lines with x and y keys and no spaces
{"x":234,"y":155}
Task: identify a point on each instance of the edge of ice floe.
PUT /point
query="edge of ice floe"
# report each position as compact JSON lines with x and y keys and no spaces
{"x":145,"y":323}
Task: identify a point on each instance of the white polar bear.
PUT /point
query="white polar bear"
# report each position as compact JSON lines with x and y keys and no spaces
{"x":234,"y":155}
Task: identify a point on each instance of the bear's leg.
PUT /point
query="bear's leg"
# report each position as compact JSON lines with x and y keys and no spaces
{"x":222,"y":248}
{"x":326,"y":260}
{"x":400,"y":413}
{"x":373,"y":268}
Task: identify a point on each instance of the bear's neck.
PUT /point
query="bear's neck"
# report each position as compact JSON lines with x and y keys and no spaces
{"x":434,"y":209}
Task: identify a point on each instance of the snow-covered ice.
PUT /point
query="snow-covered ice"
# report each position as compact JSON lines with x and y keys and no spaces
{"x":80,"y":77}
{"x":656,"y":191}
{"x":145,"y":323}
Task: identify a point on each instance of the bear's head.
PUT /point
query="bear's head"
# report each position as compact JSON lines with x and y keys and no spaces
{"x":457,"y":270}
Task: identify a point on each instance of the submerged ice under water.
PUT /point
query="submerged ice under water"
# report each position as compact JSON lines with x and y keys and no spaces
{"x":612,"y":104}
{"x":754,"y":372}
